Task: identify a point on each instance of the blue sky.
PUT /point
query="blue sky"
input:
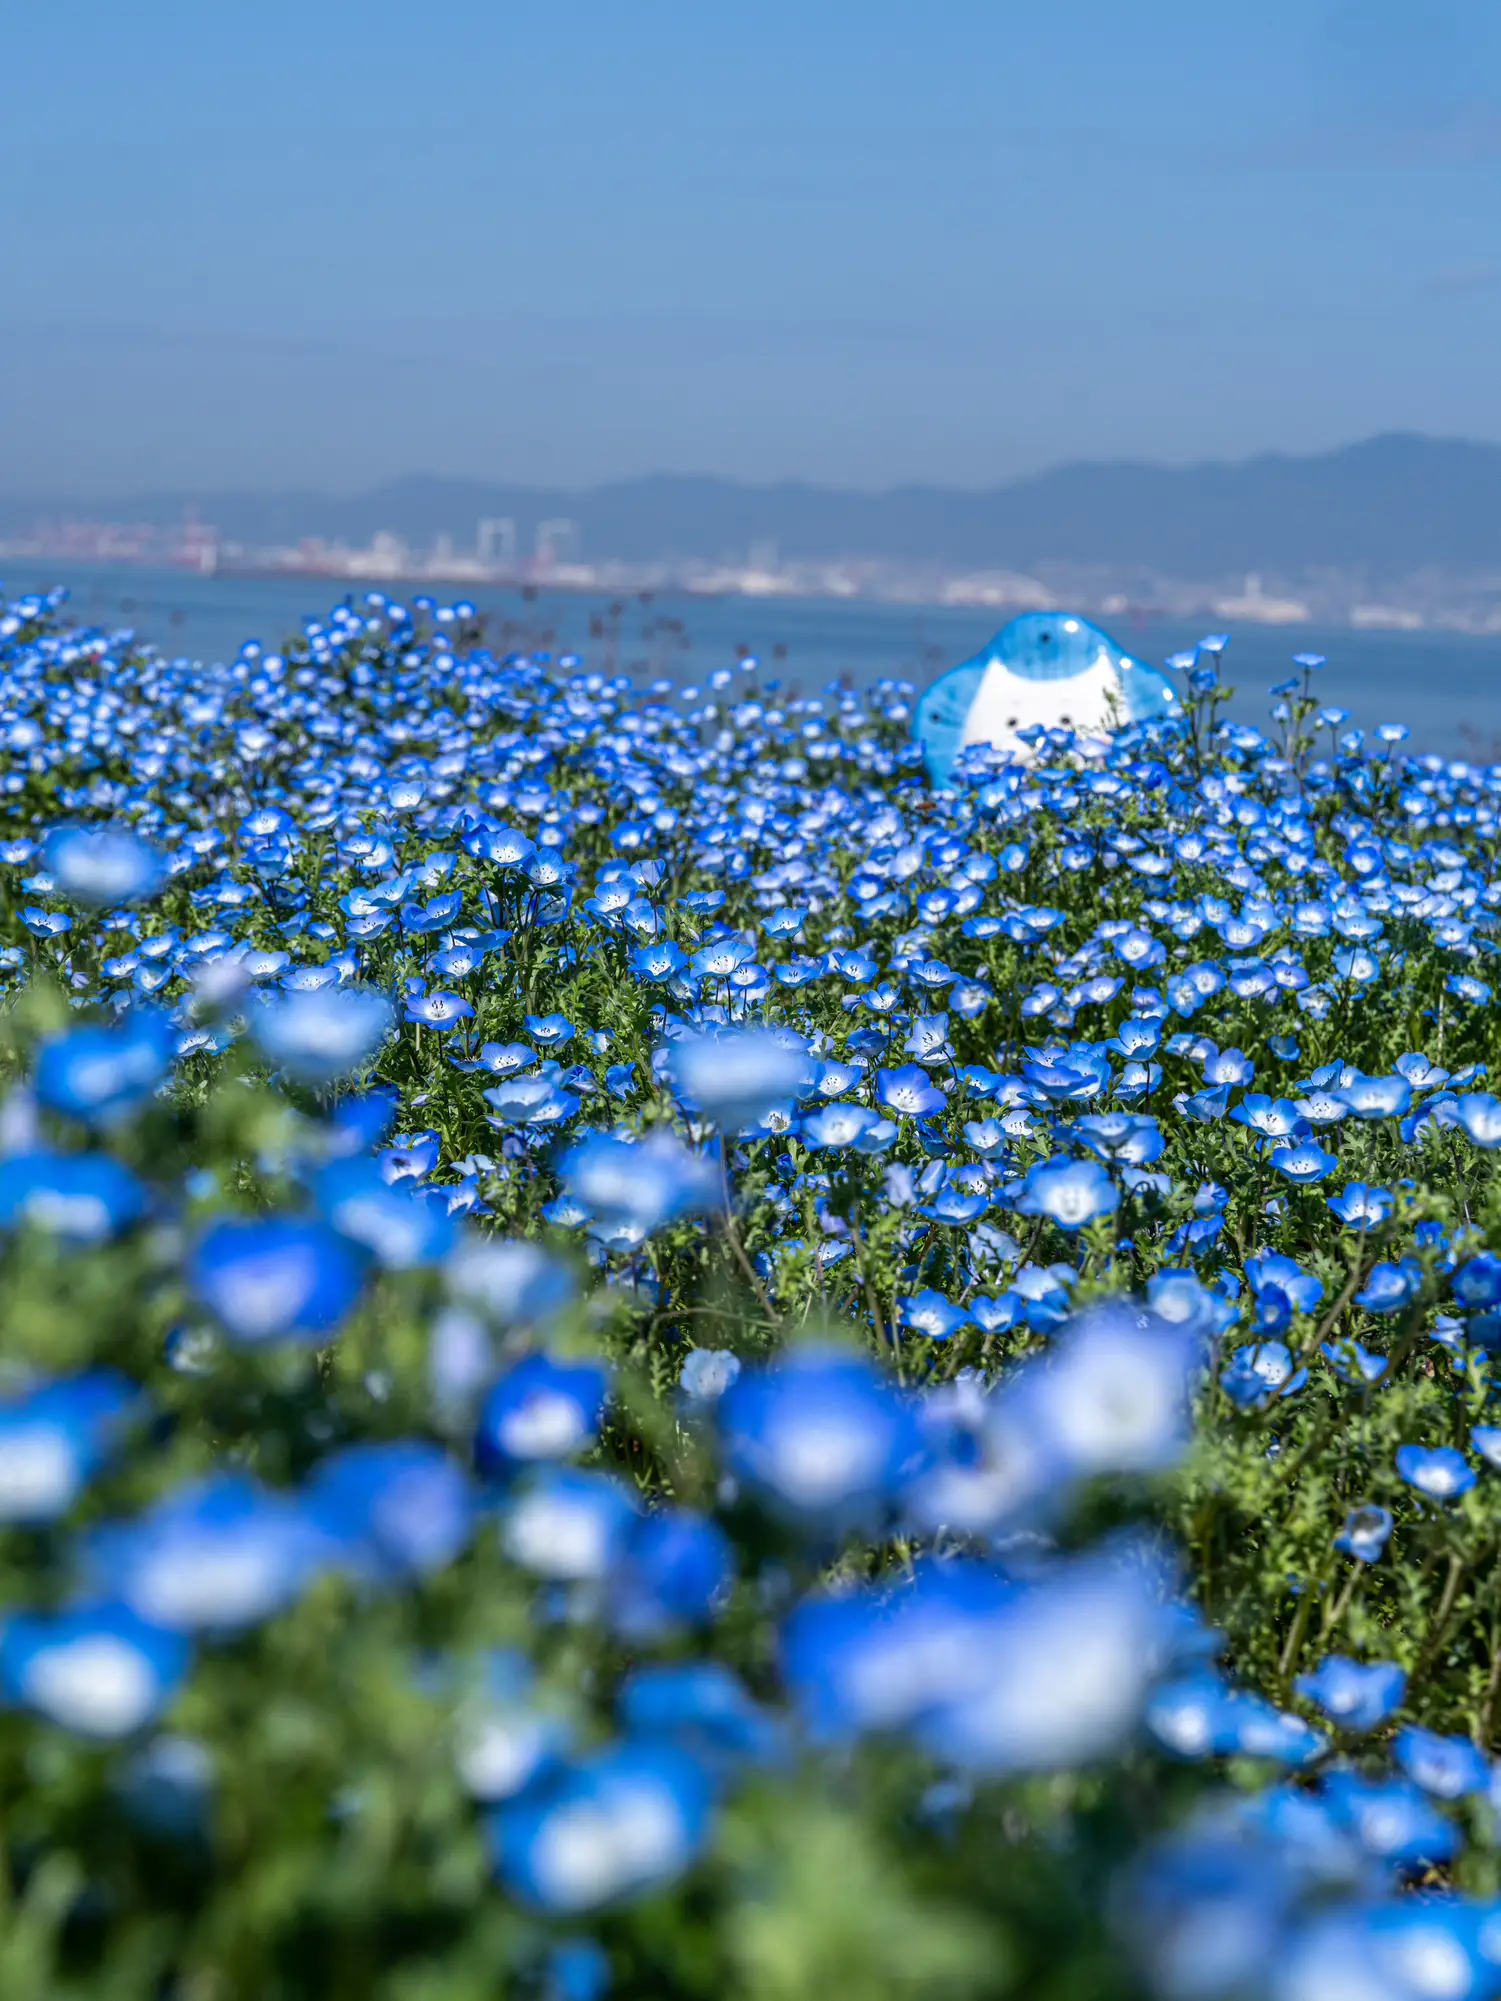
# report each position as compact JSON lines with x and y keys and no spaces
{"x":313,"y":242}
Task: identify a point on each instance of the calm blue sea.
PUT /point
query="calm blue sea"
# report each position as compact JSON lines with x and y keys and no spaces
{"x":1445,"y":686}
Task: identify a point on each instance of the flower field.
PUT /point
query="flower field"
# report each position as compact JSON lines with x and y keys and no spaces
{"x":643,"y":1357}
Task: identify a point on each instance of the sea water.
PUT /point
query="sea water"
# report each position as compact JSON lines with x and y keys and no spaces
{"x":1445,"y":686}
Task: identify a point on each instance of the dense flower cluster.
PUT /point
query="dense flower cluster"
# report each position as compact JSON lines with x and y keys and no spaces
{"x":643,"y":1355}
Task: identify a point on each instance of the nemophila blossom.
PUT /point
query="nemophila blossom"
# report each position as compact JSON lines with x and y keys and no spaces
{"x":707,"y":1373}
{"x":1366,"y":1532}
{"x":734,"y":1077}
{"x":1070,"y":1192}
{"x":276,"y":1279}
{"x":1477,"y":1282}
{"x":84,"y":1198}
{"x":95,"y":1670}
{"x":907,"y":1092}
{"x":544,"y":1407}
{"x":321,"y":1036}
{"x":820,"y":1436}
{"x":1354,"y":1696}
{"x":216,"y":1556}
{"x":1390,"y":1287}
{"x":401,"y":1230}
{"x":1435,"y":1470}
{"x":638,"y":1185}
{"x":1362,"y":1207}
{"x":55,"y":1436}
{"x":392,"y":1510}
{"x":623,"y":1821}
{"x":933,"y":1314}
{"x":103,"y":1075}
{"x":1480,"y":1115}
{"x":567,"y":1525}
{"x":511,"y":1282}
{"x":103,"y":866}
{"x":1305,"y":1163}
{"x":1446,"y":1767}
{"x":1303,"y":1290}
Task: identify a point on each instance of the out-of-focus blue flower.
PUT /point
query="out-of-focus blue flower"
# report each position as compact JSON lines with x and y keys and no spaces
{"x":617,"y":1824}
{"x":216,"y":1556}
{"x":1435,"y":1470}
{"x":86,"y":1198}
{"x":97,"y":1670}
{"x":638,"y":1185}
{"x":401,"y":1230}
{"x":1390,"y":1287}
{"x":733,"y":1078}
{"x":1480,"y":1115}
{"x":317,"y":1038}
{"x":1365,"y":1533}
{"x":103,"y":1075}
{"x":545,"y":1407}
{"x":55,"y":1436}
{"x":277,"y":1278}
{"x":1392,"y":1820}
{"x":568,"y":1525}
{"x":515,"y":1284}
{"x":707,"y":1373}
{"x":820,"y":1436}
{"x":103,"y":866}
{"x":1353,"y":1695}
{"x":1447,"y":1767}
{"x":1070,"y":1192}
{"x":673,"y":1572}
{"x":396,"y":1509}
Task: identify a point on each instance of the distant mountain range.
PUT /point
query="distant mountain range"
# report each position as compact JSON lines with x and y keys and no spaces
{"x":1392,"y":506}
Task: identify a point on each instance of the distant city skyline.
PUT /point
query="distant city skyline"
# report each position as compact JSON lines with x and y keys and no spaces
{"x":276,"y":243}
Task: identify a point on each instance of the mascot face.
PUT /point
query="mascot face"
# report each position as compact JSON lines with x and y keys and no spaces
{"x":1048,"y":668}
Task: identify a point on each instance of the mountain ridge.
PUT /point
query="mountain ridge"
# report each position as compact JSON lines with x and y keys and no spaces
{"x":1391,"y":505}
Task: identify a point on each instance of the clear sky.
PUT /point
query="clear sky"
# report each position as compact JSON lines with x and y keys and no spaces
{"x":324,"y":242}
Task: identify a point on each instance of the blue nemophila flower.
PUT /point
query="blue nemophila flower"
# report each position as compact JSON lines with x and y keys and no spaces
{"x":567,"y":1525}
{"x":735,"y":1077}
{"x":1435,"y":1470}
{"x":1304,"y":1163}
{"x":707,"y":1373}
{"x":1261,"y":1371}
{"x":277,"y":1278}
{"x":1447,"y":1767}
{"x":1362,"y":1207}
{"x":1352,"y":1363}
{"x":674,"y":1571}
{"x":909,"y":1093}
{"x":86,"y":1198}
{"x":636,"y":1186}
{"x":1070,"y":1192}
{"x":402,"y":1230}
{"x":96,"y":1669}
{"x":703,"y":1707}
{"x":441,"y":1011}
{"x":54,"y":1436}
{"x":102,"y":1075}
{"x":1480,"y":1115}
{"x":545,"y":1407}
{"x":321,"y":1036}
{"x":1365,"y":1533}
{"x":1354,"y":1695}
{"x":1065,"y":1673}
{"x":1477,"y":1282}
{"x":396,"y":1509}
{"x":1486,"y":1439}
{"x":1390,"y":1287}
{"x":836,"y":1127}
{"x":932,"y":1314}
{"x":1393,"y":1821}
{"x":1302,"y":1289}
{"x":820,"y":1436}
{"x":623,"y":1821}
{"x":513,"y":1283}
{"x":216,"y":1556}
{"x":533,"y":1101}
{"x":103,"y":867}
